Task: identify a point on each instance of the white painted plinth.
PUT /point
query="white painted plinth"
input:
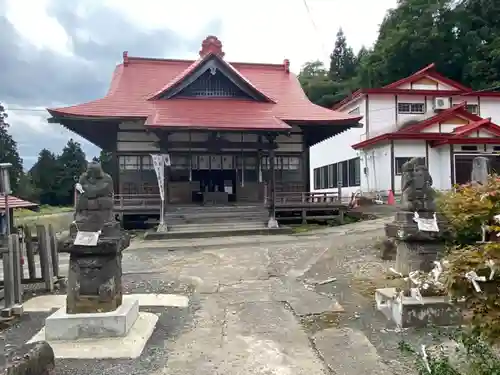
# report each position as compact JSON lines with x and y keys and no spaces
{"x":128,"y":347}
{"x":272,"y":223}
{"x":63,"y":326}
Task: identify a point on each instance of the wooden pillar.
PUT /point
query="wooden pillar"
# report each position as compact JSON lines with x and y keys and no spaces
{"x":272,"y":187}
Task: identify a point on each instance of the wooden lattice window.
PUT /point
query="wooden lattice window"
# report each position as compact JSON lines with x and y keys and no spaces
{"x":213,"y":83}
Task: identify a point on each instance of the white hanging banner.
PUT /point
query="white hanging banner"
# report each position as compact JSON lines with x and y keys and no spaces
{"x":159,"y":166}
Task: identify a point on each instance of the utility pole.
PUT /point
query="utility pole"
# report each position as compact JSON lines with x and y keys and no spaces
{"x":5,"y":190}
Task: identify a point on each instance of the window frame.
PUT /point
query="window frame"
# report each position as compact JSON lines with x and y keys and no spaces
{"x":411,"y":108}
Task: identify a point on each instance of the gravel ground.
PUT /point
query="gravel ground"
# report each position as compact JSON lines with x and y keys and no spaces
{"x":172,"y":322}
{"x":358,"y":270}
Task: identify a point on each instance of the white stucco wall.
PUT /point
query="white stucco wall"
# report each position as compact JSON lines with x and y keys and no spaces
{"x":382,"y":117}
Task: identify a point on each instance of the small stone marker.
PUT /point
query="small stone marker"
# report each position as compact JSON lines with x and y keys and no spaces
{"x":480,"y":170}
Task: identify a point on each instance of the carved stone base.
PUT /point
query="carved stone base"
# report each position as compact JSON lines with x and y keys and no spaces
{"x":417,"y":256}
{"x":416,"y":249}
{"x":94,"y":277}
{"x":36,"y":358}
{"x":410,"y":312}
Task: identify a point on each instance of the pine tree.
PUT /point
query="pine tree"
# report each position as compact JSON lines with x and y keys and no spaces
{"x":342,"y":60}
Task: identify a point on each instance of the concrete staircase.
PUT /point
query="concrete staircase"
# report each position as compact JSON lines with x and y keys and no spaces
{"x":215,"y":221}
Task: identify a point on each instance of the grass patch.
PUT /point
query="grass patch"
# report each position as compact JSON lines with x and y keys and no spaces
{"x":44,"y":210}
{"x":366,"y":287}
{"x":304,"y":228}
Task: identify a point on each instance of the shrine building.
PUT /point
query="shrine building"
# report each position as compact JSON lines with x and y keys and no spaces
{"x":222,"y":124}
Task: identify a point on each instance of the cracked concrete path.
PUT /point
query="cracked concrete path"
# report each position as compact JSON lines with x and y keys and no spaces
{"x":250,"y":307}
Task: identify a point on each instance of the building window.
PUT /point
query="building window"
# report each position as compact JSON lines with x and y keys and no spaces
{"x":324,"y":177}
{"x":355,"y":111}
{"x":411,"y":108}
{"x":344,"y":173}
{"x":147,"y":163}
{"x":317,"y":180}
{"x":129,"y":188}
{"x":332,"y":175}
{"x":468,"y":148}
{"x":130,"y":163}
{"x":496,"y":148}
{"x":354,"y":172}
{"x":398,"y":163}
{"x":473,"y":108}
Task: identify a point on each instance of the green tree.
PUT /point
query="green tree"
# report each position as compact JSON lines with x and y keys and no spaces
{"x":342,"y":60}
{"x":44,"y":176}
{"x":106,"y":160}
{"x":9,"y":153}
{"x":413,"y":35}
{"x":71,"y":164}
{"x":478,"y":29}
{"x":317,"y":85}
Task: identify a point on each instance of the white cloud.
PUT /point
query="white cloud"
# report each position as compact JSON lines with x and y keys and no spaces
{"x":31,"y":21}
{"x":266,"y":30}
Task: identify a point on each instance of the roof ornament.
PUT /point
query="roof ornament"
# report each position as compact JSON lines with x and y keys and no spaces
{"x":211,"y":45}
{"x":125,"y":58}
{"x":213,"y":70}
{"x":286,"y":65}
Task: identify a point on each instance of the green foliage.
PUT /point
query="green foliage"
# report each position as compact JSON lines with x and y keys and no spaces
{"x":9,"y":153}
{"x":468,"y":209}
{"x":54,"y":176}
{"x":470,"y":356}
{"x":107,"y":162}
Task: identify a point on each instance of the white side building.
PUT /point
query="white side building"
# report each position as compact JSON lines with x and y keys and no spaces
{"x":423,"y":115}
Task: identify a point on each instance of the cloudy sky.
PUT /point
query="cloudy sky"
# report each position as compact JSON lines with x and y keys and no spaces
{"x":62,"y":52}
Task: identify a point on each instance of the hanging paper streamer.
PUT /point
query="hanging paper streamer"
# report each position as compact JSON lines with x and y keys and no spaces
{"x":493,"y":268}
{"x":474,"y":278}
{"x":425,"y":359}
{"x":426,"y":225}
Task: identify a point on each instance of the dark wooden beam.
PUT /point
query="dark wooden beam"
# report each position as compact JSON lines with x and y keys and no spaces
{"x":215,"y":145}
{"x":103,"y":134}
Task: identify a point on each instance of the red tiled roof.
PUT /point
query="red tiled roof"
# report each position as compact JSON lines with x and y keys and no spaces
{"x":226,"y":114}
{"x":485,"y":123}
{"x":15,"y":202}
{"x":459,"y":134}
{"x":138,"y":79}
{"x":428,"y":71}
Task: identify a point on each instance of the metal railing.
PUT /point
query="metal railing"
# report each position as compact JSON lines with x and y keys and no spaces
{"x":306,"y":197}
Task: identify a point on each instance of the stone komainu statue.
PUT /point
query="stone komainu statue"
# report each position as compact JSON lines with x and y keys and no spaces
{"x":416,"y":186}
{"x":94,"y":204}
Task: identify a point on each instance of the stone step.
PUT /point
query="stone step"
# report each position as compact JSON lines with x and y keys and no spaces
{"x":216,"y":226}
{"x":216,"y":232}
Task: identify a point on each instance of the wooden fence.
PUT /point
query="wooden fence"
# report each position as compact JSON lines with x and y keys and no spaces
{"x":20,"y":266}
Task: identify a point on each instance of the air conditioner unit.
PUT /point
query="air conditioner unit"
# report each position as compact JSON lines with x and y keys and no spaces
{"x":441,"y":103}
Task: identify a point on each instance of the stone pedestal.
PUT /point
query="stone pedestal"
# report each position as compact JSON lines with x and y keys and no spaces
{"x":64,"y":326}
{"x":416,"y":249}
{"x":409,"y":311}
{"x":95,"y":273}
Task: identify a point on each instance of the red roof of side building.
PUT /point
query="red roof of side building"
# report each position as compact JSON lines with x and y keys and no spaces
{"x":138,"y":82}
{"x":457,"y":89}
{"x":15,"y":202}
{"x":459,"y":135}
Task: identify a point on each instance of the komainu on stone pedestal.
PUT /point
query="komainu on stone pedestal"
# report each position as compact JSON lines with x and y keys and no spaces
{"x":95,"y":244}
{"x":29,"y":359}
